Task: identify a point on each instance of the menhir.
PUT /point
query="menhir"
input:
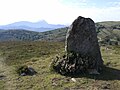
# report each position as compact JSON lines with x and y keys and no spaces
{"x":83,"y":52}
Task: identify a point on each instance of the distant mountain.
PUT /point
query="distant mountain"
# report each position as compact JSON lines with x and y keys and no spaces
{"x":108,"y":33}
{"x":40,"y":26}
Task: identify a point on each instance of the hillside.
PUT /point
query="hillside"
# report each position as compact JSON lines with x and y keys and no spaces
{"x":33,"y":49}
{"x":18,"y":35}
{"x":25,"y":35}
{"x":39,"y":54}
{"x":108,"y":32}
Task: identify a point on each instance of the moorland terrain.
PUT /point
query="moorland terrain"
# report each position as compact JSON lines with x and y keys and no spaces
{"x":37,"y":49}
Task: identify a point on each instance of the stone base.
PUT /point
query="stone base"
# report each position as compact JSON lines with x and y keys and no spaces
{"x":73,"y":63}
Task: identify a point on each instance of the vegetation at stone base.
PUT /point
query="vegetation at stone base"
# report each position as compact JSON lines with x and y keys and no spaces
{"x":39,"y":56}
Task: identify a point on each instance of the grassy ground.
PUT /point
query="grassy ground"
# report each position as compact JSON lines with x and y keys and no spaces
{"x":39,"y":55}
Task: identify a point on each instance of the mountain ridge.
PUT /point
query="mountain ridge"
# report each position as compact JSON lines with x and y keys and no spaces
{"x":39,"y":26}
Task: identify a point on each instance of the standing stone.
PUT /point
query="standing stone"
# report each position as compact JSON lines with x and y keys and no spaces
{"x":82,"y":49}
{"x":82,"y":38}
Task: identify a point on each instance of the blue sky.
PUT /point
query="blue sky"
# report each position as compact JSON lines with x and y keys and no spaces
{"x":92,"y":3}
{"x":58,"y":11}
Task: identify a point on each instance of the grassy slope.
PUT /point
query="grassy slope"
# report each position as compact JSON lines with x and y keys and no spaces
{"x":111,"y":30}
{"x":19,"y":35}
{"x":25,"y":35}
{"x":39,"y":55}
{"x":109,"y":23}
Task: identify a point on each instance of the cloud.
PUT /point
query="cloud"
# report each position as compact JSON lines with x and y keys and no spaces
{"x":74,"y":3}
{"x":54,"y":11}
{"x":114,"y":4}
{"x":32,"y":10}
{"x":106,"y":14}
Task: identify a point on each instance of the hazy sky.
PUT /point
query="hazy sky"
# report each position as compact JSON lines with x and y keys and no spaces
{"x":58,"y":11}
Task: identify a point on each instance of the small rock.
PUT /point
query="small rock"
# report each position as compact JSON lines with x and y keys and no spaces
{"x":25,"y":70}
{"x":106,"y":86}
{"x":73,"y":79}
{"x":108,"y":63}
{"x":23,"y":74}
{"x":54,"y":84}
{"x":31,"y":71}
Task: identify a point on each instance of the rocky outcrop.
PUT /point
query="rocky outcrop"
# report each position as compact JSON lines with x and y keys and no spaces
{"x":25,"y":70}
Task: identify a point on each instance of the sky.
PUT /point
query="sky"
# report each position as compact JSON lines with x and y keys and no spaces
{"x":58,"y":11}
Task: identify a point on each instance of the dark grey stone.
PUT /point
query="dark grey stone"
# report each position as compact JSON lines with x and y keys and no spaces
{"x":82,"y":38}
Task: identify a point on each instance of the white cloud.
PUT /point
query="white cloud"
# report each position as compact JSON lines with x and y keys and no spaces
{"x":114,"y":4}
{"x":53,"y":11}
{"x":32,"y":10}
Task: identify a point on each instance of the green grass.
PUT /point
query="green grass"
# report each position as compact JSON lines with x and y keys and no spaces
{"x":20,"y":52}
{"x":2,"y":85}
{"x":39,"y":55}
{"x":110,"y":23}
